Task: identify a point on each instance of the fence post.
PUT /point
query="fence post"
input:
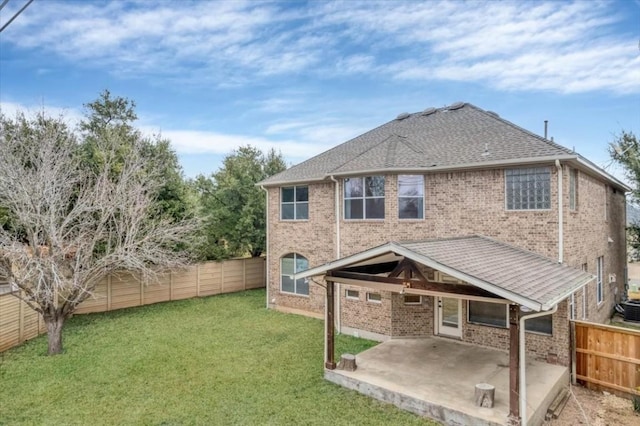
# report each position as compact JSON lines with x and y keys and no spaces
{"x":197,"y":280}
{"x":109,"y":292}
{"x":170,"y":285}
{"x":20,"y":320}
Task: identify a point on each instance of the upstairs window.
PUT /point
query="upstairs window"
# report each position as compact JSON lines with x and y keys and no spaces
{"x":294,"y":203}
{"x":599,"y":279}
{"x":291,"y":264}
{"x":528,"y":188}
{"x":573,"y":189}
{"x":411,"y":197}
{"x":364,"y":197}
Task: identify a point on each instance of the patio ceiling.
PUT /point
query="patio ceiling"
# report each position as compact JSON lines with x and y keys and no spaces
{"x":493,"y":267}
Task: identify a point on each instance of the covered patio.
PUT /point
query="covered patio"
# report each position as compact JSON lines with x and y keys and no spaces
{"x":435,"y":377}
{"x":424,"y":376}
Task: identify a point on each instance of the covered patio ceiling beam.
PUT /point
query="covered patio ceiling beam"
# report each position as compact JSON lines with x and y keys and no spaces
{"x":459,"y":289}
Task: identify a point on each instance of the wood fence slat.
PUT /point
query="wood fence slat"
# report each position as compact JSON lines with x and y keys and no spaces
{"x":608,"y":357}
{"x":19,"y":323}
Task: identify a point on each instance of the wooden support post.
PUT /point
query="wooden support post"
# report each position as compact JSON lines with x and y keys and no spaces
{"x":330,"y":362}
{"x":514,"y":364}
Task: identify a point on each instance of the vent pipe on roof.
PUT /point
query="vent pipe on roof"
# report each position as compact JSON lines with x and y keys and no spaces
{"x":546,"y":124}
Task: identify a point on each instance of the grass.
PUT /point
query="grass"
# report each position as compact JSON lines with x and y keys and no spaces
{"x":217,"y":360}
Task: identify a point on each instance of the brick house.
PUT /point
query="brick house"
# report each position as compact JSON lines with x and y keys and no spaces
{"x":458,"y":178}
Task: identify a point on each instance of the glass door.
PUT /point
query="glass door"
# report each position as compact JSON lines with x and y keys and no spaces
{"x":448,"y":317}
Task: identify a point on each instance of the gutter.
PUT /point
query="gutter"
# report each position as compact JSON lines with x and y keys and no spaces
{"x":522,"y":354}
{"x":337,"y":234}
{"x":266,"y":212}
{"x":560,"y":214}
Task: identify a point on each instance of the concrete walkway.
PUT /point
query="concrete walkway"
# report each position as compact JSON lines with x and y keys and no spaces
{"x":436,"y":377}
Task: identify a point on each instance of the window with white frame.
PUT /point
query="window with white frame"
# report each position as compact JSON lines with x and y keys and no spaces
{"x":411,"y":196}
{"x":291,"y":264}
{"x":599,"y":279}
{"x":364,"y":197}
{"x":412,"y":299}
{"x":294,"y":203}
{"x":374,"y":297}
{"x":573,"y":189}
{"x":528,"y":188}
{"x":497,"y":314}
{"x":352,"y":294}
{"x":487,"y":313}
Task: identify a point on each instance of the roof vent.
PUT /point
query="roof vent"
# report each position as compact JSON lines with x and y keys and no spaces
{"x":429,"y":111}
{"x":495,"y":114}
{"x":455,"y":106}
{"x":402,"y":116}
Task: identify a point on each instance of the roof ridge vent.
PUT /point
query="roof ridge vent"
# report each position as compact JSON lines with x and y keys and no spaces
{"x":429,"y":111}
{"x":495,"y":114}
{"x":455,"y":106}
{"x":402,"y":116}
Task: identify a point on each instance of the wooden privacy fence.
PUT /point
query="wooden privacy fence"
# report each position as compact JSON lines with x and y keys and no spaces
{"x":18,"y":322}
{"x":607,"y":356}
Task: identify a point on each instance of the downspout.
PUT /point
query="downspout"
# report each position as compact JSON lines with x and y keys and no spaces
{"x":338,"y":287}
{"x":523,"y":380}
{"x":266,"y":212}
{"x":560,"y":215}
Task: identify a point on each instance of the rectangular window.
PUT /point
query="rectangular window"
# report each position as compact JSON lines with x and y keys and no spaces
{"x":374,"y":297}
{"x":352,"y":294}
{"x":411,"y":197}
{"x":542,"y":325}
{"x":573,"y":189}
{"x":487,"y":313}
{"x":294,"y":203}
{"x":599,"y":279}
{"x":412,"y":299}
{"x":364,"y":197}
{"x":528,"y":188}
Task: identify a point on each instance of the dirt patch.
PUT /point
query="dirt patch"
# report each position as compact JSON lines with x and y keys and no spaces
{"x":587,"y":407}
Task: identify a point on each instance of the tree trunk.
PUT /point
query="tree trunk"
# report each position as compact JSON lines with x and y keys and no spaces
{"x":54,"y":334}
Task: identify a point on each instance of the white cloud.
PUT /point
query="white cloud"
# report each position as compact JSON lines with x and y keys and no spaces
{"x":556,"y":46}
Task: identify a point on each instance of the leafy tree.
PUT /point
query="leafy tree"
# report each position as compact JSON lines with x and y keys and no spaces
{"x":72,"y":224}
{"x":116,"y":116}
{"x":233,"y":207}
{"x":625,"y":150}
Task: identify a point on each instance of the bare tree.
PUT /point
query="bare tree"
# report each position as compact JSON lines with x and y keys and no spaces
{"x":71,"y":226}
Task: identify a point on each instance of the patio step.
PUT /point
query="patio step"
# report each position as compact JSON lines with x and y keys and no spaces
{"x":554,"y":410}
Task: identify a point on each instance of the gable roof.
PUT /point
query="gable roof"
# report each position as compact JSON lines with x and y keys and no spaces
{"x":455,"y":137}
{"x":507,"y":271}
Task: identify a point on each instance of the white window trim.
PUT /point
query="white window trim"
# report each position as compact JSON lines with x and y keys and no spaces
{"x":424,"y":205}
{"x":295,"y":284}
{"x":506,"y":201}
{"x":373,"y":301}
{"x":294,"y":203}
{"x":573,"y":189}
{"x":600,"y":280}
{"x":346,"y":294}
{"x":364,"y":199}
{"x":506,"y":316}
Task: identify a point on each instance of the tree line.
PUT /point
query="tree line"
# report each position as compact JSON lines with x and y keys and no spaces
{"x":79,"y":204}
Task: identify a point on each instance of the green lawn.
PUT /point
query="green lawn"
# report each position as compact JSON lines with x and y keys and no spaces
{"x":218,"y":360}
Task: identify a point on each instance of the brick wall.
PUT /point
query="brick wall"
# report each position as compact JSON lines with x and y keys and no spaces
{"x":456,"y":204}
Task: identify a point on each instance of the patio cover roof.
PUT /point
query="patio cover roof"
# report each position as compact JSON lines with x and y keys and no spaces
{"x":512,"y":273}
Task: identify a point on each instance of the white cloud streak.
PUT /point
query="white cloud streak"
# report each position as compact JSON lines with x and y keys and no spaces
{"x":566,"y":47}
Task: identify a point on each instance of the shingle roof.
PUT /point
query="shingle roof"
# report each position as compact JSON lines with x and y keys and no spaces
{"x":510,"y":272}
{"x":446,"y":138}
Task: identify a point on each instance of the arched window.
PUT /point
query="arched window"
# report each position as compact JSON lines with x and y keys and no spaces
{"x":289,"y":265}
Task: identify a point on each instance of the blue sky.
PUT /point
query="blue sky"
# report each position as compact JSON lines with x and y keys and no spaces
{"x":305,"y":76}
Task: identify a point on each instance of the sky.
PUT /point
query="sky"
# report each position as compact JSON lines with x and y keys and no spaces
{"x":304,"y":76}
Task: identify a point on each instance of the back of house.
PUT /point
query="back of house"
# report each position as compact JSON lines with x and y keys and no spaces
{"x":440,"y":175}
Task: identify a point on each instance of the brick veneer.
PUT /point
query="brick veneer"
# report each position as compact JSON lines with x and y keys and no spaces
{"x":457,"y":204}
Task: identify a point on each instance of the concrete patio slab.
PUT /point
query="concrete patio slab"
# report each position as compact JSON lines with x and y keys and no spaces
{"x":436,"y":377}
